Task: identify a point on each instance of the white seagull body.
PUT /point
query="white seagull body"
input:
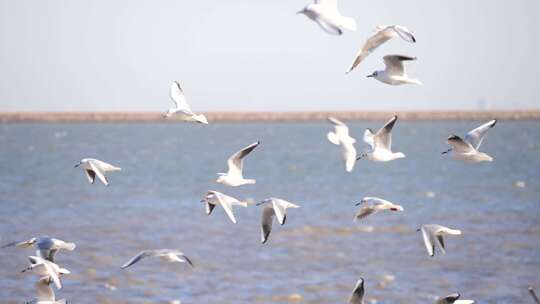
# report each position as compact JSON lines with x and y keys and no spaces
{"x":433,"y":237}
{"x":46,"y":247}
{"x":45,"y":294}
{"x":357,"y":296}
{"x":395,"y":74}
{"x":453,"y":299}
{"x":342,"y":138}
{"x":46,"y":269}
{"x":326,"y":14}
{"x":214,"y":198}
{"x":234,"y":176}
{"x":182,"y":109}
{"x":273,"y":207}
{"x":467,"y":149}
{"x":166,"y":255}
{"x":372,"y":205}
{"x":381,"y":144}
{"x":94,"y":167}
{"x":383,"y":34}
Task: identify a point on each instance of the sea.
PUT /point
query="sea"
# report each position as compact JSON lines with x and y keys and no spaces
{"x":316,"y":257}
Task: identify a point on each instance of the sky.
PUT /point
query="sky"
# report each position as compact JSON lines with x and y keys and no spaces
{"x":258,"y":55}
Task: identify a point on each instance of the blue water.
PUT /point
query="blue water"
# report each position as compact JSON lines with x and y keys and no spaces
{"x":316,"y":257}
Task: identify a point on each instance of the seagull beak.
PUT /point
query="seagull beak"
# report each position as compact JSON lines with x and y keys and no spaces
{"x":418,"y":230}
{"x":301,"y":12}
{"x":369,"y":76}
{"x":258,"y":204}
{"x":77,"y":165}
{"x":447,"y":151}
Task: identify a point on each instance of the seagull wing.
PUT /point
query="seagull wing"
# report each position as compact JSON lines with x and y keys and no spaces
{"x":266,"y":222}
{"x":383,"y":137}
{"x":90,"y":175}
{"x":369,"y":138}
{"x":235,"y":163}
{"x":44,"y":291}
{"x":53,"y":274}
{"x":364,"y":212}
{"x":178,"y":97}
{"x":476,"y":136}
{"x":357,"y":295}
{"x":279,"y":209}
{"x":23,"y":244}
{"x":141,"y":255}
{"x":404,"y":33}
{"x":349,"y":155}
{"x":99,"y":173}
{"x":209,"y":208}
{"x":459,"y":144}
{"x":226,"y":202}
{"x":394,"y":63}
{"x":371,"y":45}
{"x":428,"y":240}
{"x":329,"y":27}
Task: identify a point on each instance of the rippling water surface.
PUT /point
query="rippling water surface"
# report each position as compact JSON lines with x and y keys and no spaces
{"x":315,"y":258}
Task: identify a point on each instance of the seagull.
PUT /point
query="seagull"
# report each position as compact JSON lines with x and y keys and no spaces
{"x":214,"y":198}
{"x":94,"y":167}
{"x":45,"y":294}
{"x":381,"y":144}
{"x":357,"y":295}
{"x":182,"y":108}
{"x":533,"y":295}
{"x":383,"y":34}
{"x":433,"y":236}
{"x":467,"y":149}
{"x":46,"y":247}
{"x":44,"y":268}
{"x":394,"y":74}
{"x":327,"y":16}
{"x":167,"y":255}
{"x":453,"y":299}
{"x":372,"y":205}
{"x":273,"y":207}
{"x":342,"y":138}
{"x":234,"y":177}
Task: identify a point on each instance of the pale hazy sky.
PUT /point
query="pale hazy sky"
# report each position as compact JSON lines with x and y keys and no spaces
{"x":76,"y":55}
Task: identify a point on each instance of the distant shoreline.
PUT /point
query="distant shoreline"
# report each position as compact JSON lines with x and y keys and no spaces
{"x":53,"y":117}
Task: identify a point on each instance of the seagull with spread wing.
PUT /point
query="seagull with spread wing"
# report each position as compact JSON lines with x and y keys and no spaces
{"x":273,"y":207}
{"x":214,"y":198}
{"x":372,"y":205}
{"x":182,"y":109}
{"x":44,"y":268}
{"x":94,"y":167}
{"x":395,"y":74}
{"x":381,"y":144}
{"x":342,"y":138}
{"x":166,"y":255}
{"x":46,"y":247}
{"x":467,"y":149}
{"x":326,"y":14}
{"x":234,"y":176}
{"x":433,"y":234}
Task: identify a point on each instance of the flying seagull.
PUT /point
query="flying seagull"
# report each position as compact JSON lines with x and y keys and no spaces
{"x":167,"y":255}
{"x":94,"y":167}
{"x":342,"y":138}
{"x":214,"y":198}
{"x":533,"y":295}
{"x":372,"y":205}
{"x":433,"y":236}
{"x":45,"y":294}
{"x":273,"y":207}
{"x":326,"y":14}
{"x":182,"y":109}
{"x":44,"y":268}
{"x":383,"y":34}
{"x":453,"y":299}
{"x":46,"y":247}
{"x":357,"y":295}
{"x":467,"y":149}
{"x":234,"y":176}
{"x":381,"y":144}
{"x":394,"y":74}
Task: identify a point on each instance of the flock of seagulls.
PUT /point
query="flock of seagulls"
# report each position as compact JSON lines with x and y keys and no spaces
{"x":326,"y":14}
